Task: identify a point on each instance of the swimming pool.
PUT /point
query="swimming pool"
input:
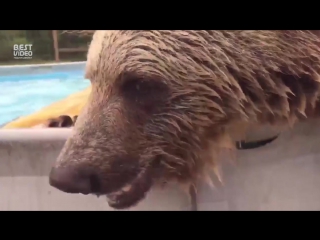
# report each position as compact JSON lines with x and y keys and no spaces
{"x":23,"y":94}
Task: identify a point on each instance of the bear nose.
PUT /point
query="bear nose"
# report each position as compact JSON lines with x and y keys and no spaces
{"x":68,"y":180}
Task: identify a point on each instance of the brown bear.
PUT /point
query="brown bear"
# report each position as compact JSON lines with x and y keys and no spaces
{"x":163,"y":104}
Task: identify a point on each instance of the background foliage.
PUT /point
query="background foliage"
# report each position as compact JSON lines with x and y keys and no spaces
{"x":43,"y":48}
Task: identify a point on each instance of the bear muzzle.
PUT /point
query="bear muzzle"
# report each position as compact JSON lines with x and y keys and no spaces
{"x":69,"y":180}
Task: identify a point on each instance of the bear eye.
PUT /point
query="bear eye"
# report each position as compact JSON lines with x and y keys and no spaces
{"x":149,"y":95}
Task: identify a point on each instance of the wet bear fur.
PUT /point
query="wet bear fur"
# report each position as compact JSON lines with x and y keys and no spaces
{"x":163,"y":103}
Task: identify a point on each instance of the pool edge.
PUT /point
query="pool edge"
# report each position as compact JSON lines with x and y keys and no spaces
{"x":42,"y":65}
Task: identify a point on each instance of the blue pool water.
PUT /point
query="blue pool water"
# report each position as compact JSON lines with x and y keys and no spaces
{"x":22,"y":95}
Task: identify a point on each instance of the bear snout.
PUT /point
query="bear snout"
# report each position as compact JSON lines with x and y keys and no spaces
{"x":100,"y":176}
{"x":71,"y":180}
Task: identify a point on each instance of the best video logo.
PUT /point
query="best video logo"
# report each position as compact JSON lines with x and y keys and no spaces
{"x":22,"y":51}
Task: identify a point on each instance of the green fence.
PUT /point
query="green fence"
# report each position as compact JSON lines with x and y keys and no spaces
{"x":71,"y":47}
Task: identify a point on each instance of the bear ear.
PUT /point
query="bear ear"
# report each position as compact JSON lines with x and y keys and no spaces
{"x":74,"y":119}
{"x":65,"y":121}
{"x":51,"y":123}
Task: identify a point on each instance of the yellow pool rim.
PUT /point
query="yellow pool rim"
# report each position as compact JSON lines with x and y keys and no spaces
{"x":71,"y":105}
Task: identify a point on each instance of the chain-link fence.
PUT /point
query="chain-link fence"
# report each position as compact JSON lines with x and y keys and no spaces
{"x":47,"y":46}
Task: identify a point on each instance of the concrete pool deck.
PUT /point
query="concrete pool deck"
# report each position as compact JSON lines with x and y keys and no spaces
{"x":40,"y":68}
{"x":283,"y":175}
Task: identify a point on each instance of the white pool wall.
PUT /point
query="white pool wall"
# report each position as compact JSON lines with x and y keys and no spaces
{"x":284,"y":175}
